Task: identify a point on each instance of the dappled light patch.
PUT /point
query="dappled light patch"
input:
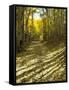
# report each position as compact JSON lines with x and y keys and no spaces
{"x":41,"y":65}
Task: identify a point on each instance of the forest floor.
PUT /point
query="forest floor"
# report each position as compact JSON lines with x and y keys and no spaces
{"x":40,"y":63}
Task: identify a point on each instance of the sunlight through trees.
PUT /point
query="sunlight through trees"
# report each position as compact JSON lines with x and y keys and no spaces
{"x":40,"y":44}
